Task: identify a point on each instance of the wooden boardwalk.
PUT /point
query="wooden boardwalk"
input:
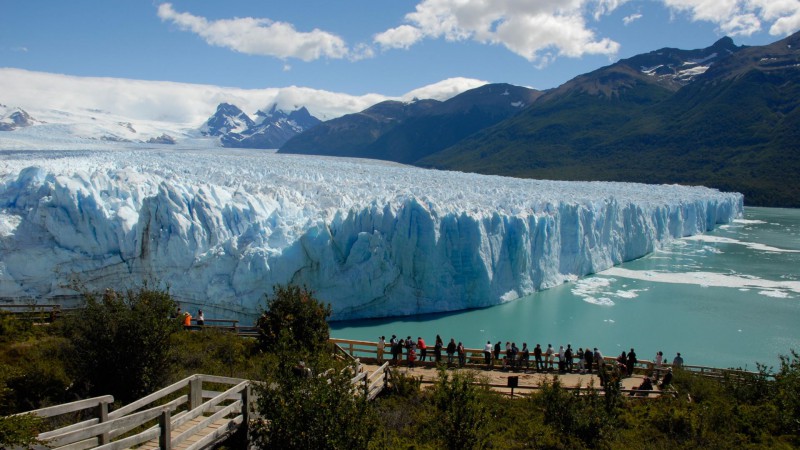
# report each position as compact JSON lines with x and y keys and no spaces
{"x":180,"y":416}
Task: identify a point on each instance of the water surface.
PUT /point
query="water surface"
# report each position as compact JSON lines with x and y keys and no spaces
{"x":730,"y":298}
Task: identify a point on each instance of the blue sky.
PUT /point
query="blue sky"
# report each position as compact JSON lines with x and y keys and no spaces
{"x":367,"y":46}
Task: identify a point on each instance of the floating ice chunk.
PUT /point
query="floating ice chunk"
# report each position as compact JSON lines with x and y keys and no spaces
{"x":750,"y":245}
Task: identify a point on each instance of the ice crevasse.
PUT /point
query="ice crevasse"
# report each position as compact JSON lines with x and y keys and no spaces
{"x":372,"y":239}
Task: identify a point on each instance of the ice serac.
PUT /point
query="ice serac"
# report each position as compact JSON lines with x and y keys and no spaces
{"x":371,"y":238}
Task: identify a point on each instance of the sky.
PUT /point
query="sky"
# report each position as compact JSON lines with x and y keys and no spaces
{"x":363,"y":47}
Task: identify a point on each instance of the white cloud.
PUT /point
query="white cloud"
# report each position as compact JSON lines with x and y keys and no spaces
{"x":539,"y":31}
{"x":632,"y":18}
{"x":183,"y":103}
{"x":444,"y":89}
{"x":403,"y":36}
{"x":743,"y":17}
{"x":255,"y":36}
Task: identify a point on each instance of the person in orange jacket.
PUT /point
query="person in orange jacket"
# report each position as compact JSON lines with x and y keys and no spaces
{"x":187,"y":320}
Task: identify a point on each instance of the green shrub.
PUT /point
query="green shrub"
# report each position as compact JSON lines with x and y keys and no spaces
{"x":19,"y":431}
{"x":461,"y":416}
{"x":313,"y":411}
{"x":295,"y":321}
{"x":121,"y":343}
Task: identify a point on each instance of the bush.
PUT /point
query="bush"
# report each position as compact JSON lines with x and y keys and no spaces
{"x":19,"y":431}
{"x":121,"y":343}
{"x":462,"y":416}
{"x":306,"y":411}
{"x":295,"y":320}
{"x":210,"y":351}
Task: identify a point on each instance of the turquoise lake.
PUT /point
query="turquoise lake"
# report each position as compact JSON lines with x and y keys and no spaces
{"x":729,"y":298}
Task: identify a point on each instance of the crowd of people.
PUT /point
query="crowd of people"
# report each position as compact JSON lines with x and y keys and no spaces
{"x":512,"y":358}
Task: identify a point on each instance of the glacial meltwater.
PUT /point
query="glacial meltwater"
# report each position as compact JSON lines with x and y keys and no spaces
{"x":729,"y":298}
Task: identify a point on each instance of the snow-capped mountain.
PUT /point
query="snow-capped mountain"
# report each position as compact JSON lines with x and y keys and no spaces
{"x":373,"y":239}
{"x":228,"y":119}
{"x":13,"y":118}
{"x":270,"y":129}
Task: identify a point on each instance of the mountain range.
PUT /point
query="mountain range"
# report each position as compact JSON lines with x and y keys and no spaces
{"x":408,"y":131}
{"x":270,"y":129}
{"x":724,"y":116}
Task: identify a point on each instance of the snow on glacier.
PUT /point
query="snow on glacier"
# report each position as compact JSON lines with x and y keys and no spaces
{"x":372,"y":238}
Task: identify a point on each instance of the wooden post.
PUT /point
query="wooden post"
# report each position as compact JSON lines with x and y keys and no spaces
{"x":102,"y":416}
{"x":246,"y":411}
{"x":195,"y":393}
{"x":165,"y":438}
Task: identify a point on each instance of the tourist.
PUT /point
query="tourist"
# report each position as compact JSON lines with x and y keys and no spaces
{"x":659,"y":359}
{"x":678,"y":361}
{"x":412,"y":356}
{"x":437,"y":349}
{"x":506,"y":362}
{"x":568,"y":358}
{"x":397,"y":348}
{"x":622,"y":363}
{"x":451,"y":350}
{"x":561,"y":360}
{"x":381,"y":347}
{"x":549,"y":356}
{"x":423,"y":350}
{"x":598,"y":359}
{"x":581,"y":361}
{"x":537,"y":357}
{"x":631,"y":362}
{"x":646,"y":385}
{"x":589,"y":357}
{"x":497,"y":351}
{"x":513,"y":355}
{"x":187,"y":320}
{"x":487,"y":354}
{"x":410,"y":345}
{"x":462,"y":355}
{"x":201,"y":319}
{"x":667,"y":379}
{"x":526,"y":356}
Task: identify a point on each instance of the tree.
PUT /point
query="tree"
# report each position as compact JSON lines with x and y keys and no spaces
{"x":307,"y":411}
{"x":462,"y":416}
{"x":295,"y":320}
{"x":121,"y":342}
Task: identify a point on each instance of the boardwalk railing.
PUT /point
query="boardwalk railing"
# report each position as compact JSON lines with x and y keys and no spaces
{"x":170,"y":417}
{"x":182,"y":415}
{"x":368,"y":350}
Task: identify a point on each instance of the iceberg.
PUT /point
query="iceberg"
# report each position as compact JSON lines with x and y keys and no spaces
{"x":373,"y":239}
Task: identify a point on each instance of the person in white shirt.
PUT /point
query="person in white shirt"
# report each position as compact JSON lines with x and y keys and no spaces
{"x":487,"y":354}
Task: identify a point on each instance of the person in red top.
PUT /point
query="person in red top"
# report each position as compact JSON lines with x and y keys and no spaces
{"x":423,"y":350}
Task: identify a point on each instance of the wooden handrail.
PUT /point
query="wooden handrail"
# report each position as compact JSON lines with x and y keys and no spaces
{"x":66,"y":408}
{"x":475,"y":356}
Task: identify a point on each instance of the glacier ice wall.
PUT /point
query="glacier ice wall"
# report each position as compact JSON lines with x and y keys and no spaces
{"x":374,"y":239}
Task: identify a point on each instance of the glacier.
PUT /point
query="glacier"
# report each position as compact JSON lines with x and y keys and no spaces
{"x":221,"y":227}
